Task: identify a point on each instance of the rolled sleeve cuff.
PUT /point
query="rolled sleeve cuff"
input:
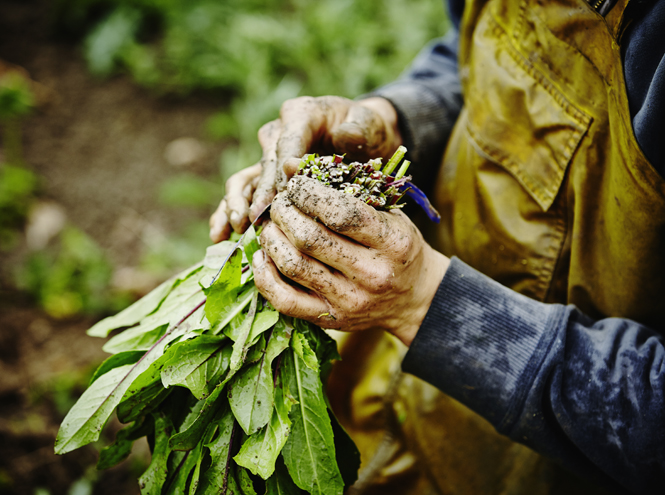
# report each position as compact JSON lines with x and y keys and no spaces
{"x":482,"y":343}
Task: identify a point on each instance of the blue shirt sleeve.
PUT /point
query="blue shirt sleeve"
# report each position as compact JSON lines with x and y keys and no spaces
{"x":644,"y":68}
{"x":428,"y":100}
{"x":590,"y":394}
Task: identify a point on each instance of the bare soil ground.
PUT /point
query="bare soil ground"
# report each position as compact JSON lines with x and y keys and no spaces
{"x":99,"y":146}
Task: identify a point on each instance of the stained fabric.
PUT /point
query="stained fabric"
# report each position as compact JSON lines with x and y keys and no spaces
{"x":428,"y":97}
{"x":590,"y":394}
{"x":551,"y":186}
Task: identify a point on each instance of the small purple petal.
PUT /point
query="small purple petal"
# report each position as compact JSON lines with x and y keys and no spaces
{"x":419,"y":197}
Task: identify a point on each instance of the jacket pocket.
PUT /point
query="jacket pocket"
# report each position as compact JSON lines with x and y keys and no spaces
{"x":517,"y":117}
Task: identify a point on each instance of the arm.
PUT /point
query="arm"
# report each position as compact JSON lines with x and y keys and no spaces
{"x":588,"y":393}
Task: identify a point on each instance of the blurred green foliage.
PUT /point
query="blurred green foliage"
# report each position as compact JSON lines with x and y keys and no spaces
{"x":17,"y":183}
{"x":255,"y":54}
{"x":71,"y":277}
{"x":16,"y":98}
{"x":260,"y":52}
{"x":17,"y":188}
{"x":188,"y":190}
{"x":176,"y":252}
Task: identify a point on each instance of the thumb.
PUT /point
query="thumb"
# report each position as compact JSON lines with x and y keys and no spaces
{"x":362,"y":135}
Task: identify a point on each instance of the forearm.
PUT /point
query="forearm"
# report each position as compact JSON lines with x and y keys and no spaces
{"x":589,"y":394}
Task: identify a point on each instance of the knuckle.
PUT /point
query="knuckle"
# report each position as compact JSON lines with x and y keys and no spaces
{"x":232,"y":184}
{"x":285,"y":304}
{"x":402,"y":246}
{"x":279,"y":206}
{"x":294,"y":267}
{"x":265,"y":240}
{"x":310,"y":239}
{"x":294,"y":103}
{"x":267,"y":130}
{"x":379,"y":278}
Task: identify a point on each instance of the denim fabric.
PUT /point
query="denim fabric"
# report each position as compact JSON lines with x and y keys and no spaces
{"x":644,"y":70}
{"x":590,"y":394}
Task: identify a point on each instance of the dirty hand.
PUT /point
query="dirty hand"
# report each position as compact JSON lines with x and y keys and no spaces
{"x":355,"y":267}
{"x":329,"y":124}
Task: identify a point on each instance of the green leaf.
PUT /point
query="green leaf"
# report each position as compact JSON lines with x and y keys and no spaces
{"x":321,"y":343}
{"x":224,"y":290}
{"x":177,"y":305}
{"x":141,"y":308}
{"x":185,"y":463}
{"x":231,"y":312}
{"x":301,"y":348}
{"x":153,"y":479}
{"x":211,"y":429}
{"x":260,"y":451}
{"x":129,"y":357}
{"x":251,"y":393}
{"x":136,"y":338}
{"x":309,"y":452}
{"x":245,"y":482}
{"x":213,"y":480}
{"x":124,"y":439}
{"x":256,"y":352}
{"x":146,"y":390}
{"x":251,"y":396}
{"x":279,"y":339}
{"x":188,"y":438}
{"x":241,"y":345}
{"x":198,"y":364}
{"x":85,"y":420}
{"x":280,"y":483}
{"x":250,"y":243}
{"x":142,"y":402}
{"x":262,"y":322}
{"x":205,"y":378}
{"x":217,"y":254}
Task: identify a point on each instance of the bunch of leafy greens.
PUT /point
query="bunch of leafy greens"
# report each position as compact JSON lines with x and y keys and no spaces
{"x":228,"y":391}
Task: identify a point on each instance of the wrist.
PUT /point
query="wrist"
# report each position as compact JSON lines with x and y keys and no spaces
{"x":433,"y":268}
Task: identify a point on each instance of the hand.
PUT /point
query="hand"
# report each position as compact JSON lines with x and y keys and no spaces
{"x":355,"y":267}
{"x":329,"y":124}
